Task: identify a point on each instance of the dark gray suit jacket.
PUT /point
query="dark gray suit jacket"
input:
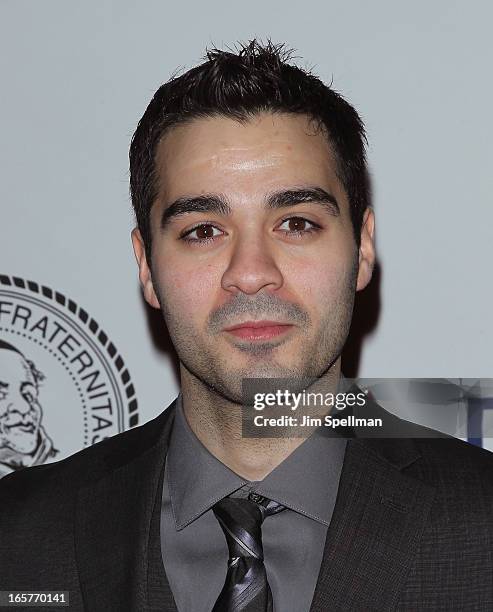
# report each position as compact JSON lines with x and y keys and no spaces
{"x":412,"y":528}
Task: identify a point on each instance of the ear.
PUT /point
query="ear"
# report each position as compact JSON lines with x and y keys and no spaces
{"x":366,"y":249}
{"x":144,"y":270}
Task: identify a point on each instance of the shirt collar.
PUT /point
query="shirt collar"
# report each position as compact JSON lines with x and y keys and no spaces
{"x":196,"y":479}
{"x":306,"y":481}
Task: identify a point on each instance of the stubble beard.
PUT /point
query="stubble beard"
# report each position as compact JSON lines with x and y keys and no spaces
{"x":212,"y":368}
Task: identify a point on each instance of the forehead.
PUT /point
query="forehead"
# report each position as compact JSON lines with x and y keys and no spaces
{"x":267,"y":151}
{"x":13,"y":366}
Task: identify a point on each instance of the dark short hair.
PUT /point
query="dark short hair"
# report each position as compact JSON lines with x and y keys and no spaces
{"x":240,"y":85}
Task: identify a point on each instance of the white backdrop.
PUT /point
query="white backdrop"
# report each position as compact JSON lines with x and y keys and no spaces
{"x":76,"y":77}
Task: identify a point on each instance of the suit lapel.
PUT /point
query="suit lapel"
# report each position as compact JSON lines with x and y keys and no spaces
{"x":375,"y":530}
{"x":114,"y":518}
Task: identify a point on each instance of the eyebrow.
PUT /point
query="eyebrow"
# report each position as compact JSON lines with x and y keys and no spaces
{"x":218,"y":204}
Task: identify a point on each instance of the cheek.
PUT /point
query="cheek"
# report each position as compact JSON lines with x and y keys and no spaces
{"x":189,"y":292}
{"x":323,"y":280}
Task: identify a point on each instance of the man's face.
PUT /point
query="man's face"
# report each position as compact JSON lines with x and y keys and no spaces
{"x":252,"y":227}
{"x":20,"y":413}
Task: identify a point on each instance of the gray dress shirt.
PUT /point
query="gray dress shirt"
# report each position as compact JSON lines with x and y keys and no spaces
{"x":193,"y":545}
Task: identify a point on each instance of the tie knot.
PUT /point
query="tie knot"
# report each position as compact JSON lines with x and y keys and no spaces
{"x":241,"y":521}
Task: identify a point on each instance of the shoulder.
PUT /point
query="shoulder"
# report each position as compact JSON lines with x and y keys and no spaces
{"x":447,"y":458}
{"x":38,"y":505}
{"x":461,"y":476}
{"x":59,"y":480}
{"x":452,"y":466}
{"x":448,"y":454}
{"x":455,"y":460}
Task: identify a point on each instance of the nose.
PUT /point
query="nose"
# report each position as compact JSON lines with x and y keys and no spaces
{"x":252,"y":267}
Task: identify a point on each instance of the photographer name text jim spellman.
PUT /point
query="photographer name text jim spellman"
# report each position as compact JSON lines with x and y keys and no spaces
{"x":309,"y":421}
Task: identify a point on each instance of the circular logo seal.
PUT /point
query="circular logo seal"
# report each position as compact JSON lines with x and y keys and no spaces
{"x":63,"y":384}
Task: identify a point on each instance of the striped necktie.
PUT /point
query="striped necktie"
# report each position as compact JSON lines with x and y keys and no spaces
{"x":246,"y":588}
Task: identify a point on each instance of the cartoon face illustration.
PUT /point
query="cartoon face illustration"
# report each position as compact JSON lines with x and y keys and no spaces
{"x":20,"y":411}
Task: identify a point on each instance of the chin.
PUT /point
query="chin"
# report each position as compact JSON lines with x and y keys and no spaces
{"x":231,"y":382}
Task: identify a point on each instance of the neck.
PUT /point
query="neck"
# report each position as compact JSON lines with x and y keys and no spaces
{"x":217,"y":423}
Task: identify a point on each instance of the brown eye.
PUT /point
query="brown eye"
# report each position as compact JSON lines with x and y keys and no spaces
{"x":204,"y":231}
{"x":296,"y":224}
